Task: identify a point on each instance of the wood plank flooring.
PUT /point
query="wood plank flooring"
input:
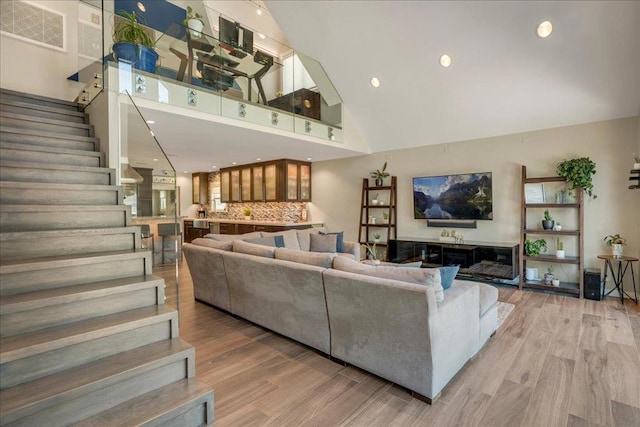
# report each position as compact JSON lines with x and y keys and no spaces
{"x":556,"y":361}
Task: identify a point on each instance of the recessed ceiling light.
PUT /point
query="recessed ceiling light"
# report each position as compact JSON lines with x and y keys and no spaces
{"x":374,"y":82}
{"x":259,"y":11}
{"x":545,"y":29}
{"x":233,"y":163}
{"x":308,"y":158}
{"x":445,"y":60}
{"x":186,"y":171}
{"x":155,"y":160}
{"x":213,"y":167}
{"x":258,"y":158}
{"x":150,"y":122}
{"x":262,"y":36}
{"x":141,"y":7}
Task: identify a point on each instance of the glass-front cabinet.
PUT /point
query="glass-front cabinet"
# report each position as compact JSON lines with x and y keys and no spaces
{"x":274,"y":181}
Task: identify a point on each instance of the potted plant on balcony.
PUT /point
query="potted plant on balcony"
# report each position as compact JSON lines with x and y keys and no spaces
{"x":380,"y":175}
{"x":578,"y":173}
{"x":194,"y":22}
{"x":533,"y":248}
{"x":548,"y":223}
{"x":616,"y":242}
{"x":132,"y":43}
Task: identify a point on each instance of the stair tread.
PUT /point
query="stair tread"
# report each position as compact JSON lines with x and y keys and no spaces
{"x":48,"y":134}
{"x":44,"y":120}
{"x":153,"y":405}
{"x":38,"y":97}
{"x":86,"y":378}
{"x":63,"y":208}
{"x":43,"y":340}
{"x":51,"y":166}
{"x":58,"y":186}
{"x":33,"y":106}
{"x":89,"y":232}
{"x":38,"y":299}
{"x":67,"y":260}
{"x":45,"y":149}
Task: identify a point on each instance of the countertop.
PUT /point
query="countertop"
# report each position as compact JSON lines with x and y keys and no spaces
{"x":256,"y":222}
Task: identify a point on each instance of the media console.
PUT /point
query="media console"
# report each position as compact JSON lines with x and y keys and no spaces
{"x":495,"y":262}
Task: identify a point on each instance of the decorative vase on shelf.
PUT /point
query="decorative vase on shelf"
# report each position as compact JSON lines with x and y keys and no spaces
{"x":548,"y":224}
{"x":548,"y":278}
{"x":560,"y":254}
{"x":378,"y":182}
{"x":555,"y":282}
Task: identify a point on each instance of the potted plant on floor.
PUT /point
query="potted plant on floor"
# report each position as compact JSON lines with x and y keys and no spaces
{"x":380,"y":175}
{"x":194,"y":22}
{"x":533,"y":248}
{"x":132,"y":43}
{"x":548,"y":223}
{"x":578,"y":173}
{"x":616,"y":242}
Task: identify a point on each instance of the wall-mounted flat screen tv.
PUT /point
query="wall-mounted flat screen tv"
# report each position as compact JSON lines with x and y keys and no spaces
{"x":464,"y":196}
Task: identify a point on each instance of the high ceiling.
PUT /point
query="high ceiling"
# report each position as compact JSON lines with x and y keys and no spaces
{"x":504,"y":79}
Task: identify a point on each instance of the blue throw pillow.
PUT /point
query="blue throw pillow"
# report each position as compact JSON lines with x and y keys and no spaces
{"x":447,"y":274}
{"x":339,"y":240}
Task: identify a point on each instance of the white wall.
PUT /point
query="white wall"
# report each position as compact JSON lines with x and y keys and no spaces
{"x":27,"y":67}
{"x":610,"y":144}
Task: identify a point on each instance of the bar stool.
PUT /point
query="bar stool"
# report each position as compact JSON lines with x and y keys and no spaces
{"x":145,"y":235}
{"x":171,"y":229}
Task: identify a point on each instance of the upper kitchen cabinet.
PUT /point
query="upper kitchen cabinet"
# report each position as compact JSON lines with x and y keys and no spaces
{"x":200,"y":187}
{"x":274,"y":181}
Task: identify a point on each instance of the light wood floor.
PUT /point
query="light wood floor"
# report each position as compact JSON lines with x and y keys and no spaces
{"x":556,"y":361}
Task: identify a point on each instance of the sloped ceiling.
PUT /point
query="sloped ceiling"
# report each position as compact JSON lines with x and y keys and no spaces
{"x":504,"y":79}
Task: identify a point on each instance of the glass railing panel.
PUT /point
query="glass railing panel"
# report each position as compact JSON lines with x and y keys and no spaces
{"x":90,"y":50}
{"x":149,"y":185}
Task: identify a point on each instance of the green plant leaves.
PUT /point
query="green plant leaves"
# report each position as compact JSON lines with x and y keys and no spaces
{"x":578,"y":173}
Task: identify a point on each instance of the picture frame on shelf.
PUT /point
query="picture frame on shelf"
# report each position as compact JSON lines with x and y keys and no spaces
{"x":534,"y":193}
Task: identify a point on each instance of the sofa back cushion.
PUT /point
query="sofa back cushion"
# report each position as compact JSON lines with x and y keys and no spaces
{"x":290,"y":238}
{"x":253,"y":249}
{"x":421,"y":276}
{"x":311,"y":258}
{"x":210,"y":243}
{"x":303,"y":237}
{"x":273,"y":241}
{"x":232,"y":237}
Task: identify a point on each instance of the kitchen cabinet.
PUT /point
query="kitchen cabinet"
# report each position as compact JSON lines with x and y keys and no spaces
{"x":200,"y":187}
{"x":275,"y":181}
{"x":191,"y":233}
{"x":240,"y":228}
{"x":145,"y":192}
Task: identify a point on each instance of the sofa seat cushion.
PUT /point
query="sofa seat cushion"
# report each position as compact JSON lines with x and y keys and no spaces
{"x":290,"y":238}
{"x":254,"y":249}
{"x":488,"y":297}
{"x":318,"y":259}
{"x":210,"y":243}
{"x":232,"y":237}
{"x":420,"y":276}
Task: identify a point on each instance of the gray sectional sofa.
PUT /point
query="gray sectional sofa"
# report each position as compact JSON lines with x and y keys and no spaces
{"x":395,"y":329}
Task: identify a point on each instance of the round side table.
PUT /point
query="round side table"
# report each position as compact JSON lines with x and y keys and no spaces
{"x":624,"y":263}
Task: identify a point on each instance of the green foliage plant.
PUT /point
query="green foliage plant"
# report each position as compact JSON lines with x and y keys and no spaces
{"x":533,"y":248}
{"x":578,"y":173}
{"x":129,"y":30}
{"x":192,"y":15}
{"x":547,"y":215}
{"x":615,"y":239}
{"x":380,"y":173}
{"x":559,"y":244}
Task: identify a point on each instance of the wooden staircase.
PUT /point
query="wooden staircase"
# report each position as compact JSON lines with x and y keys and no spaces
{"x":85,"y":337}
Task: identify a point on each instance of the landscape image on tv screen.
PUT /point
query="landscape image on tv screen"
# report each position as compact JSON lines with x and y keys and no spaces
{"x":462,"y":196}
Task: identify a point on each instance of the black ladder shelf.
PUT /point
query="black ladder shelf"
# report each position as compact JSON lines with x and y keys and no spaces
{"x":636,"y":178}
{"x":368,"y":229}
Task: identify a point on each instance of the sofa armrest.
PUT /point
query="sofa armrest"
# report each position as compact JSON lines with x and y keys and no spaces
{"x":352,"y":248}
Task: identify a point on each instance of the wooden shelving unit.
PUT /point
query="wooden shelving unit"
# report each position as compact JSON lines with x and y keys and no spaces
{"x":576,"y":288}
{"x":635,"y":176}
{"x":366,"y":230}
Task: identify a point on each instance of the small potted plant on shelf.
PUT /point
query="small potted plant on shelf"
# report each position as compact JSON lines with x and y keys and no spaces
{"x":616,"y":242}
{"x":376,"y":238}
{"x":548,"y":223}
{"x":533,"y":248}
{"x":194,"y":22}
{"x":559,"y":248}
{"x":636,"y":159}
{"x":380,"y":175}
{"x":448,"y":236}
{"x":132,"y":44}
{"x":374,"y":199}
{"x":385,"y":217}
{"x":578,"y":173}
{"x":371,"y":253}
{"x":548,"y":276}
{"x":247,"y":213}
